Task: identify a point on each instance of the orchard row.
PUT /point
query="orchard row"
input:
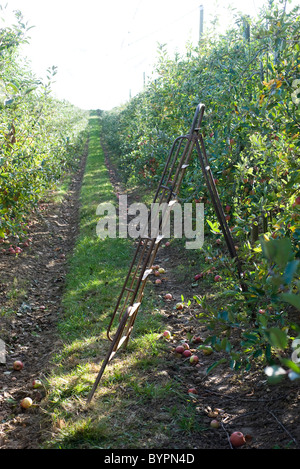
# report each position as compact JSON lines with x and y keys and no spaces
{"x":41,"y":138}
{"x":248,"y":80}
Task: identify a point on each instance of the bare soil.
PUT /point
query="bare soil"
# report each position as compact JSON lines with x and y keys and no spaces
{"x":31,"y":288}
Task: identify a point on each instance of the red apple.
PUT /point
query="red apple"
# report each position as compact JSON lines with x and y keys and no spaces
{"x":26,"y":402}
{"x":179,"y":306}
{"x":196,"y":340}
{"x":218,"y":278}
{"x":198,"y":276}
{"x":194,"y":359}
{"x":179,"y":349}
{"x":185,"y":345}
{"x":167,"y":334}
{"x":218,"y":241}
{"x":192,"y":391}
{"x":297,"y":201}
{"x":36,"y":383}
{"x":167,"y":243}
{"x":227,"y":208}
{"x":237,"y":439}
{"x":168,"y":296}
{"x":158,"y":281}
{"x":18,"y":365}
{"x":187,"y":353}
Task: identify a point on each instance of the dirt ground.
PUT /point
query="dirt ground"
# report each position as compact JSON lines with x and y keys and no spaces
{"x":269,"y":415}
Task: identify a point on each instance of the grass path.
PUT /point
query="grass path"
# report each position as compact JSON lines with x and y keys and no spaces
{"x":135,"y":382}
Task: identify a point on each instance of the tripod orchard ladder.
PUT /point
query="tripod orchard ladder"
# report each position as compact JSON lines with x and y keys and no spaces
{"x":131,"y":295}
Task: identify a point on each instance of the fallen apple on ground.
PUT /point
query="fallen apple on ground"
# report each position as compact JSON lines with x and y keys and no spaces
{"x":194,"y":359}
{"x":36,"y":383}
{"x":192,"y":391}
{"x":237,"y":439}
{"x":18,"y":365}
{"x":167,"y":334}
{"x":168,"y":296}
{"x":196,"y":339}
{"x":26,"y":402}
{"x":179,"y":349}
{"x":187,"y":353}
{"x":198,"y":276}
{"x":207,"y":350}
{"x":215,"y":424}
{"x":179,"y":306}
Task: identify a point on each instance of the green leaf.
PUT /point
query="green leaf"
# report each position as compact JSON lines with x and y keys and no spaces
{"x":277,"y":250}
{"x":290,"y":270}
{"x":278,"y":338}
{"x":214,"y":227}
{"x":292,"y":299}
{"x":290,"y":364}
{"x":215,"y":364}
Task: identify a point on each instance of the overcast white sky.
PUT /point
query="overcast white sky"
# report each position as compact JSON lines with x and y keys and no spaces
{"x":103,"y":48}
